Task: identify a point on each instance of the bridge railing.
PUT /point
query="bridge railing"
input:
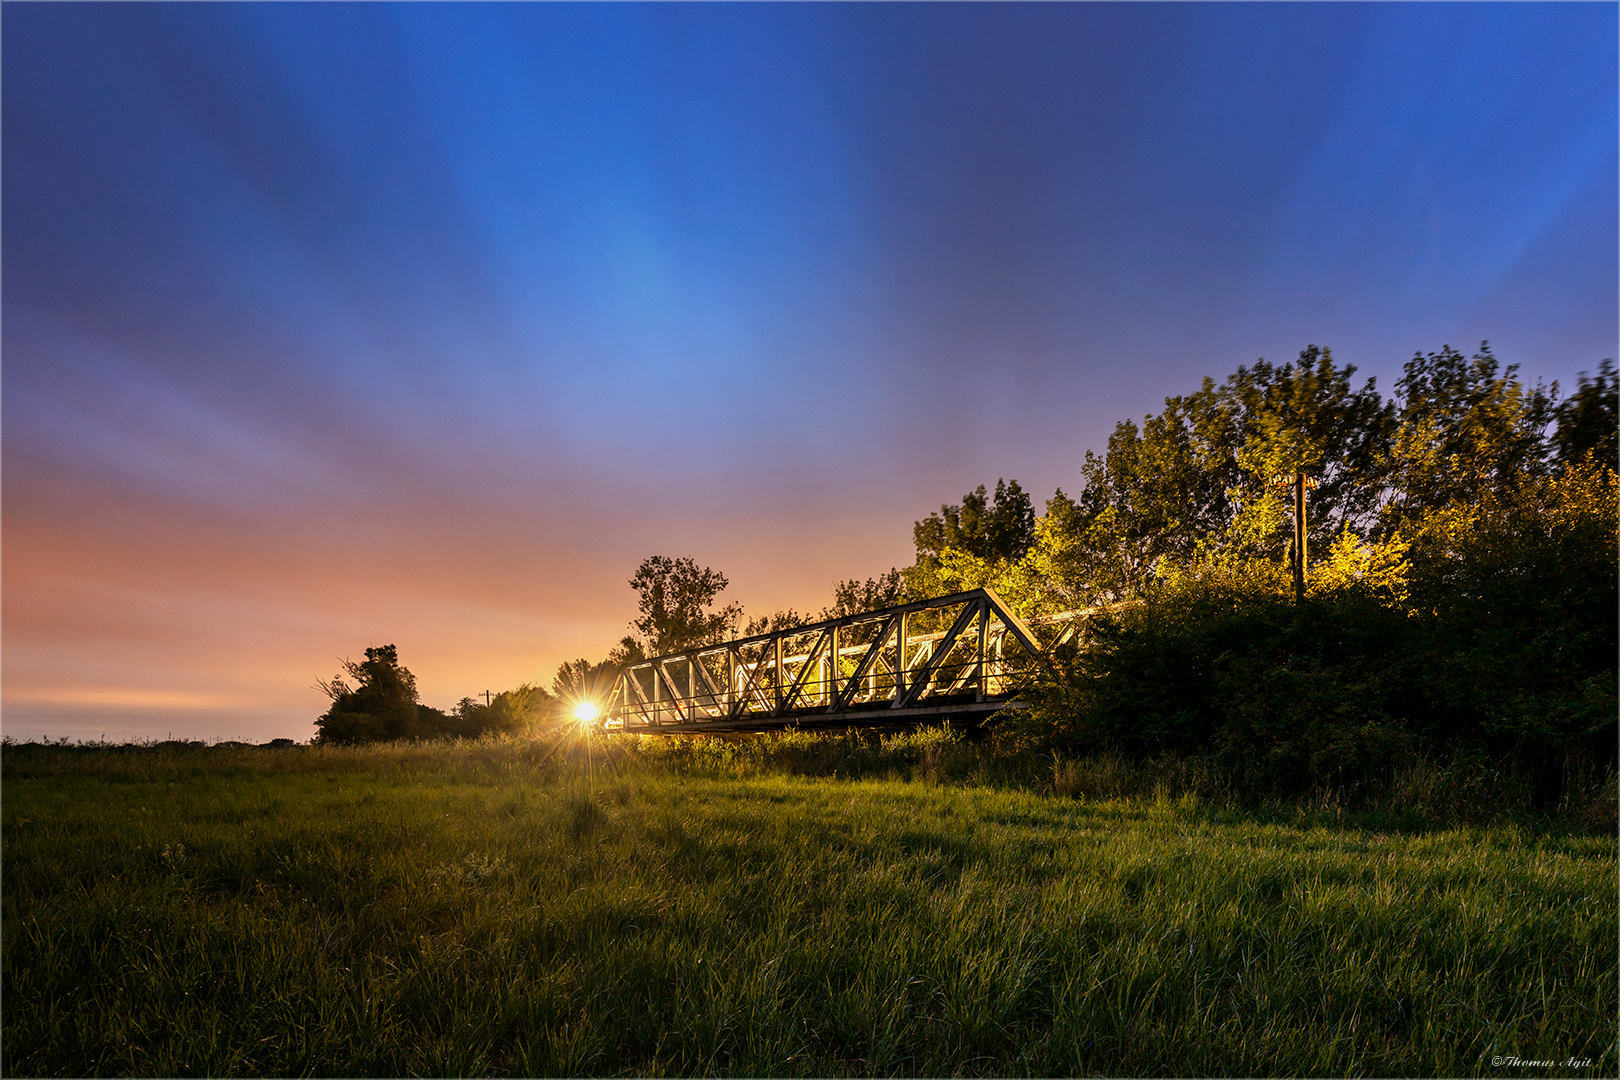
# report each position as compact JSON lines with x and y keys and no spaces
{"x":967,"y":651}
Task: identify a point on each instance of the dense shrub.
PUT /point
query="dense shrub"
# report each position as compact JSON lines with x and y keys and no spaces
{"x":1501,"y":641}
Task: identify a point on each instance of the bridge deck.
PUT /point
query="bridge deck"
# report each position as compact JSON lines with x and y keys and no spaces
{"x":963,"y":715}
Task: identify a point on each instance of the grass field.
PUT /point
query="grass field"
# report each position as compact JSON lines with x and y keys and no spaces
{"x":510,"y":909}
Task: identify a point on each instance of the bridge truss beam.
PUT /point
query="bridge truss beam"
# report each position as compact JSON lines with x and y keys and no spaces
{"x":956,"y":658}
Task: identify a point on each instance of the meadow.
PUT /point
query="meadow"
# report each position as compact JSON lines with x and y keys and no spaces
{"x":578,"y":908}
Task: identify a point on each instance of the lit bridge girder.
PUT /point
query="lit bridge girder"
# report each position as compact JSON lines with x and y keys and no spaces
{"x":955,"y":659}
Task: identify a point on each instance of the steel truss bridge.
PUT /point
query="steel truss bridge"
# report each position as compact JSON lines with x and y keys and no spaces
{"x":955,"y":659}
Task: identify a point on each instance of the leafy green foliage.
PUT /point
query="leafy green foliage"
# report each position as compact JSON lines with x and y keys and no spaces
{"x":999,"y":528}
{"x":1199,"y":480}
{"x":1467,"y":429}
{"x":1461,"y":579}
{"x":1517,"y":594}
{"x":1497,"y":633}
{"x":785,"y":619}
{"x":1306,"y":418}
{"x":976,"y":544}
{"x":508,"y":713}
{"x":1589,"y":419}
{"x":676,"y":595}
{"x":381,"y":705}
{"x":855,"y":596}
{"x":1286,"y":696}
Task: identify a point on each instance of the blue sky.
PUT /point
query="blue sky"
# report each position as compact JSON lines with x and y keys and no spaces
{"x":336,"y":325}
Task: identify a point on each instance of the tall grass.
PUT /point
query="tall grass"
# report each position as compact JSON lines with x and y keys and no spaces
{"x":569,"y":908}
{"x":1466,"y":789}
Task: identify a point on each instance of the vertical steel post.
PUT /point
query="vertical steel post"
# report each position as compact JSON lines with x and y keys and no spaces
{"x":832,"y":666}
{"x":872,"y":668}
{"x":984,"y":629}
{"x":1001,"y":656}
{"x":900,"y":658}
{"x":777,"y":675}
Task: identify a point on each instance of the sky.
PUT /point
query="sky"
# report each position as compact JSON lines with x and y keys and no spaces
{"x":329,"y":326}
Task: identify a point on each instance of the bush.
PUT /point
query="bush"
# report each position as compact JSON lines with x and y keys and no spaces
{"x":1505,"y":648}
{"x":381,"y":706}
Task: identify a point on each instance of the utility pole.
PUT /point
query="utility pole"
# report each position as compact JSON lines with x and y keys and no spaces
{"x":1297,"y":550}
{"x":1299,"y":537}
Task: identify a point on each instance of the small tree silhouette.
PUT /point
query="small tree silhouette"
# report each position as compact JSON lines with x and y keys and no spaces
{"x":382,"y":704}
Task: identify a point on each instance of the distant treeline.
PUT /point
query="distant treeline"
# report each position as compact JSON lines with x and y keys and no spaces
{"x":375,"y":700}
{"x":1460,"y":581}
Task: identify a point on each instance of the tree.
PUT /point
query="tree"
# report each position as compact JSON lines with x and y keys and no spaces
{"x":1143,"y":500}
{"x":381,"y":705}
{"x":580,"y":680}
{"x":1461,"y":599}
{"x":1070,"y":564}
{"x":1195,"y":482}
{"x":970,"y":545}
{"x":786,"y":619}
{"x":1589,"y":420}
{"x":675,"y":598}
{"x":1466,"y":429}
{"x":507,"y":713}
{"x":628,"y":651}
{"x":1306,"y":418}
{"x":995,"y":529}
{"x":855,"y":596}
